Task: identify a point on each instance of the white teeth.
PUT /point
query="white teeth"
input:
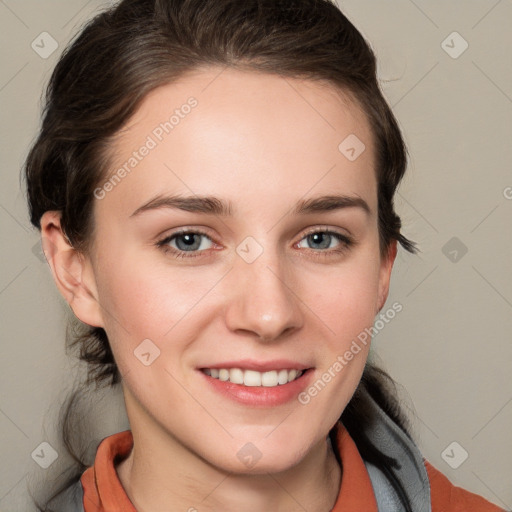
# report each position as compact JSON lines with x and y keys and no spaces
{"x":236,"y":376}
{"x":269,"y":379}
{"x":282,"y":377}
{"x":253,"y":378}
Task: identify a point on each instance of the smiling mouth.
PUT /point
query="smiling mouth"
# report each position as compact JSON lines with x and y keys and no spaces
{"x":252,"y":378}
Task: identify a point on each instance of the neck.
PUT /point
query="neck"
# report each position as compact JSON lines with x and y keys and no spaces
{"x":176,"y":479}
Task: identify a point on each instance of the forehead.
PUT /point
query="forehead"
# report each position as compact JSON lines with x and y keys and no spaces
{"x":221,"y":129}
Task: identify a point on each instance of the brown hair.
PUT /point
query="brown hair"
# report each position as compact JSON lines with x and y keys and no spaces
{"x":138,"y":45}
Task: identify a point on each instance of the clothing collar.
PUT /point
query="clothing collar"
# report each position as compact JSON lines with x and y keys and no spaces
{"x":412,"y":474}
{"x":364,"y":487}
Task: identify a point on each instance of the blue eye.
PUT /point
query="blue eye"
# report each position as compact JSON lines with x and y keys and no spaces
{"x":189,"y":244}
{"x":324,"y":239}
{"x":186,"y":242}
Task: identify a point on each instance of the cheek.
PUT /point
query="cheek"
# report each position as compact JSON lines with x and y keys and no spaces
{"x":345,"y":299}
{"x":142,"y":301}
{"x":147,"y":301}
{"x":346,"y":308}
{"x":135,"y":289}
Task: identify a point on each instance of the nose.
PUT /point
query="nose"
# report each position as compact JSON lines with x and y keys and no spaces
{"x":263,"y":301}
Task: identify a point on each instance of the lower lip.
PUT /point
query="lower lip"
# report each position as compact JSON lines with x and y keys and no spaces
{"x":261,"y":396}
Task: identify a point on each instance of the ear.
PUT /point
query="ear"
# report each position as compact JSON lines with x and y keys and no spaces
{"x":71,"y":270}
{"x":386,"y":267}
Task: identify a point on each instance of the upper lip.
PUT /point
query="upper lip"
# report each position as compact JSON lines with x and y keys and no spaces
{"x":260,"y":366}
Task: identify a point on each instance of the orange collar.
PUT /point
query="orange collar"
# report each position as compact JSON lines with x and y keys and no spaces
{"x":103,"y":491}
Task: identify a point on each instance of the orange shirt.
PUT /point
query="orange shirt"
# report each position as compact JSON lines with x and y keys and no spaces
{"x":103,"y":491}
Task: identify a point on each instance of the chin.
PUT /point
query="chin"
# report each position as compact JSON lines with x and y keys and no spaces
{"x":263,"y":466}
{"x":259,"y":458}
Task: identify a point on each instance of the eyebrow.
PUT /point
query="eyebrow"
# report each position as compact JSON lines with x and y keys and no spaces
{"x":211,"y":205}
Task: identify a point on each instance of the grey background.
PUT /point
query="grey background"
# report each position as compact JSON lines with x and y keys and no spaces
{"x":450,"y":347}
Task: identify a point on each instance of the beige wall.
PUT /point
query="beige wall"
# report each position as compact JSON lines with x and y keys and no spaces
{"x":450,"y":347}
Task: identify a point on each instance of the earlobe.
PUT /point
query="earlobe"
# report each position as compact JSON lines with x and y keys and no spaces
{"x":71,"y":271}
{"x":385,"y":275}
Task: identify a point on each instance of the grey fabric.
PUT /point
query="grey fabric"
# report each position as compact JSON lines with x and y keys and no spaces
{"x":389,"y":439}
{"x":386,"y":497}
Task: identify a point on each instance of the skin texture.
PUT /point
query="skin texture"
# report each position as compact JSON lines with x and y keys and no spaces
{"x":262,"y":142}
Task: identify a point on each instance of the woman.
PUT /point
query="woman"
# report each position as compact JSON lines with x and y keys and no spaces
{"x":214,"y":187}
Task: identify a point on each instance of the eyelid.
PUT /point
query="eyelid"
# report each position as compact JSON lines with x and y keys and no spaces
{"x":163,"y":242}
{"x":327,"y":229}
{"x":345,"y":240}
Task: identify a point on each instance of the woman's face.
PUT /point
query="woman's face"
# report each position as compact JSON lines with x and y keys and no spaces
{"x":250,"y":287}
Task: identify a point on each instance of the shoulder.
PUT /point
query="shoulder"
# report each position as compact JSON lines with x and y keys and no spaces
{"x":426,"y":488}
{"x":447,"y":497}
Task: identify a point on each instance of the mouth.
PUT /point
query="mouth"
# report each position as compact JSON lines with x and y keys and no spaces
{"x":253,"y":378}
{"x":253,"y":388}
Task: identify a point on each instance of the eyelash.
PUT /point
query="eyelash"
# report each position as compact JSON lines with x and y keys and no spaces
{"x":346,"y":243}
